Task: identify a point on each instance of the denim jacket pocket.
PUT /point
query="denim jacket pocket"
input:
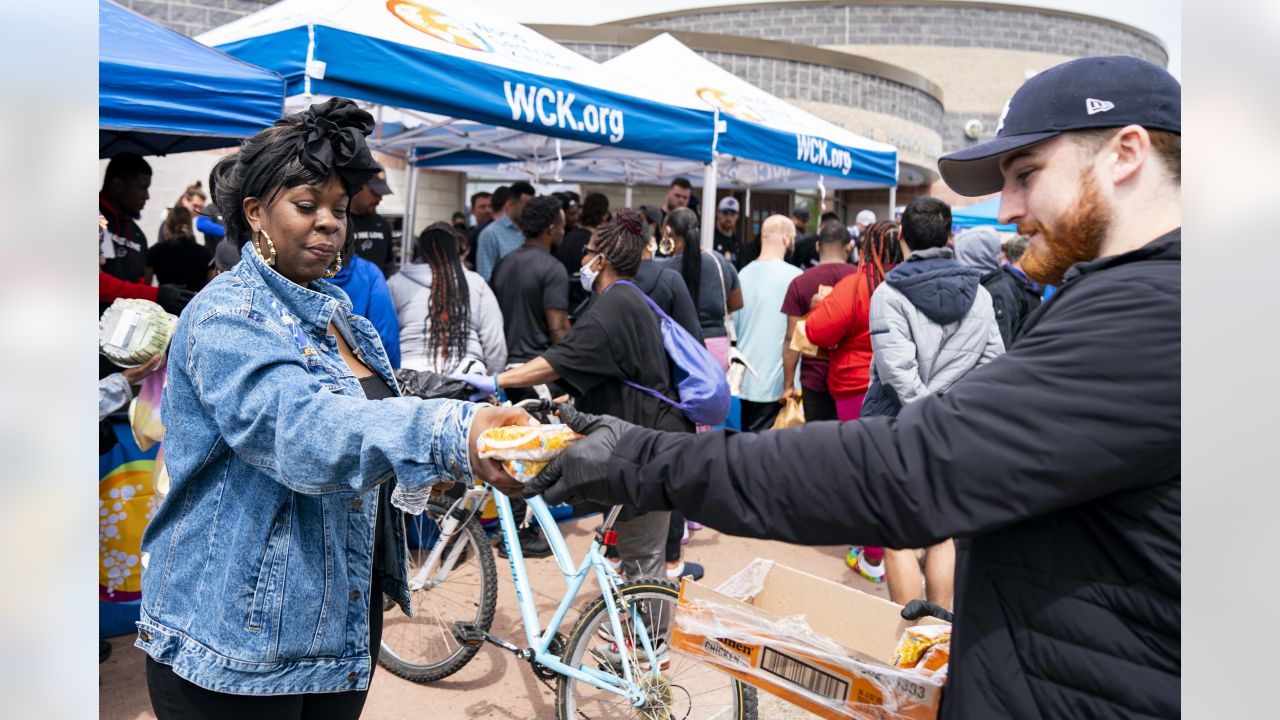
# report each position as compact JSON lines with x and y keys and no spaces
{"x":267,"y":588}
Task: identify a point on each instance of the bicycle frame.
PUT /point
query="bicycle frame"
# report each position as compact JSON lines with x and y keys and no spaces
{"x":539,"y":640}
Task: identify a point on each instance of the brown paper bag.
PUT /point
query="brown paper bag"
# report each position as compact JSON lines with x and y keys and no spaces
{"x":792,"y":414}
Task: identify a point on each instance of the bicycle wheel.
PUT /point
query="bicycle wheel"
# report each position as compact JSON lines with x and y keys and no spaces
{"x":685,"y":688}
{"x":423,"y":648}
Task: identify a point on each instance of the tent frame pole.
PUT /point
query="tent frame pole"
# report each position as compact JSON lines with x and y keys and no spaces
{"x":893,"y":202}
{"x":626,"y":202}
{"x":410,"y":210}
{"x":709,"y":205}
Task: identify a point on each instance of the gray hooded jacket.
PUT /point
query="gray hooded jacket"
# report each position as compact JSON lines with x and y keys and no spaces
{"x":486,"y":344}
{"x":931,"y":322}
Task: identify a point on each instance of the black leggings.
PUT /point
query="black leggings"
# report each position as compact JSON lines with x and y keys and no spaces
{"x":173,"y":698}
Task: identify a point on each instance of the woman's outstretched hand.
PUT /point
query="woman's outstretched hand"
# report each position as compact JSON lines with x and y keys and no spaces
{"x":488,"y":470}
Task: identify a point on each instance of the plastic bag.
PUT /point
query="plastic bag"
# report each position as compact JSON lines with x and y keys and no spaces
{"x":431,"y":386}
{"x":791,"y":415}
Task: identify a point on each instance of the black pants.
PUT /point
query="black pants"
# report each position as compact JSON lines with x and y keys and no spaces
{"x":759,"y":416}
{"x":818,"y":405}
{"x":675,"y":533}
{"x":173,"y":698}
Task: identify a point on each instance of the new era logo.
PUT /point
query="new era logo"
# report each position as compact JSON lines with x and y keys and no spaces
{"x":1096,"y":106}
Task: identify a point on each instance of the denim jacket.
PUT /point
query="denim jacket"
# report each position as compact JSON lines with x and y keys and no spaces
{"x":257,"y":564}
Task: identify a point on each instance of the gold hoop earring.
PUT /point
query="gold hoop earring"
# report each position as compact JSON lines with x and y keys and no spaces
{"x":332,"y":271}
{"x":667,"y":246}
{"x":270,"y":261}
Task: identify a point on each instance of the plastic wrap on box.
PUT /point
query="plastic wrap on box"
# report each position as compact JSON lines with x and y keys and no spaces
{"x":785,"y":656}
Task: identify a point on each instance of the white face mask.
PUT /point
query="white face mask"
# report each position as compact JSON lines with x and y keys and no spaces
{"x":588,"y":276}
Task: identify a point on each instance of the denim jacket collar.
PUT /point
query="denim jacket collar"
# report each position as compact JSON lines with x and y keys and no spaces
{"x":313,"y":306}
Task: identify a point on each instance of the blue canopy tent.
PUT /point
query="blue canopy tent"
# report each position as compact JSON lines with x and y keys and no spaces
{"x":160,"y":92}
{"x":983,"y":213}
{"x":470,"y":79}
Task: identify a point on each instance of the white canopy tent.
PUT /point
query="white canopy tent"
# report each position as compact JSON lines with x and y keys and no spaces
{"x":762,"y":142}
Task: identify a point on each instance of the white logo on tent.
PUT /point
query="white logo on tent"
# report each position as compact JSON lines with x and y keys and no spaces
{"x":1093,"y":107}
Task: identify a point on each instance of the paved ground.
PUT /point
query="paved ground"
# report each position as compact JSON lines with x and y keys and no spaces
{"x":495,"y":684}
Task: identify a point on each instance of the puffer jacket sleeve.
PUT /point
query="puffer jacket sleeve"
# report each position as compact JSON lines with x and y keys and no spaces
{"x":382,"y":313}
{"x":1087,"y":404}
{"x":832,"y":318}
{"x":892,"y":348}
{"x":487,"y":316}
{"x":278,"y":416}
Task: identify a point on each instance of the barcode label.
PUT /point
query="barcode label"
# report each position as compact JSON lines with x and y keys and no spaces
{"x":803,"y":674}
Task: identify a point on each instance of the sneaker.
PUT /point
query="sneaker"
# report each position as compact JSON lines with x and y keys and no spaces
{"x":691,"y":525}
{"x":686,"y":568}
{"x":859,"y":564}
{"x":532,"y":543}
{"x":611,"y":660}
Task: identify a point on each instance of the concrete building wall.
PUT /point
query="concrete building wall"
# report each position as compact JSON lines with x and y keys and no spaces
{"x":192,"y":17}
{"x":977,"y":25}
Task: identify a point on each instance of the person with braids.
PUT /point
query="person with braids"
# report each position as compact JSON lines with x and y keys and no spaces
{"x":834,"y":241}
{"x":450,"y":321}
{"x":712,"y":280}
{"x":841,"y":323}
{"x":616,"y":342}
{"x":264,"y":568}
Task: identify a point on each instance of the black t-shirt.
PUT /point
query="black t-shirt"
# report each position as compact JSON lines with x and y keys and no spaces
{"x":805,"y":254}
{"x":667,"y":289}
{"x":570,"y":254}
{"x":371,"y":235}
{"x":619,"y":339}
{"x":528,"y":282}
{"x":124,"y":245}
{"x":184,"y":263}
{"x":748,"y":252}
{"x":726,"y":245}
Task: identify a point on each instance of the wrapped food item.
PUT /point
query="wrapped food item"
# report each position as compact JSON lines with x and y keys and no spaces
{"x":525,"y":450}
{"x":916,"y":640}
{"x":538,"y":443}
{"x":132,"y":331}
{"x":523,"y":470}
{"x":933,"y":664}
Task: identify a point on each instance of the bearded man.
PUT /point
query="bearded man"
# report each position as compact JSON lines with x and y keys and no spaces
{"x":1056,"y":466}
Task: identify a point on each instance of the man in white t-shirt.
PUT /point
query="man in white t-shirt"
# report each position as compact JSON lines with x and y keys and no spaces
{"x":761,"y":326}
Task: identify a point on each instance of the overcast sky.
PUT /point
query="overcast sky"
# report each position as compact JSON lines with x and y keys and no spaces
{"x":1162,"y":18}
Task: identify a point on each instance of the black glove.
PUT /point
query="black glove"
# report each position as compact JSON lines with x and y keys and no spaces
{"x":173,"y":298}
{"x":580,"y":474}
{"x":917,"y":609}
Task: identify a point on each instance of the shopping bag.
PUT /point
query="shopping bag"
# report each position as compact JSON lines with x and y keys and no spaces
{"x":792,"y":414}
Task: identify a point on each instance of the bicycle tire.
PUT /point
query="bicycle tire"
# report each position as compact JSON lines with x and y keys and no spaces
{"x":741,"y":698}
{"x":429,"y":618}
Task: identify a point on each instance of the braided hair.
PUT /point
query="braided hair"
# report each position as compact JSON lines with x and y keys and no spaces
{"x":684,"y":223}
{"x":449,"y":311}
{"x":621,"y":240}
{"x":881,"y":251}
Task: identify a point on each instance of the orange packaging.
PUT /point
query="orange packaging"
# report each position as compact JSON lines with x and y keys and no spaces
{"x":817,"y":644}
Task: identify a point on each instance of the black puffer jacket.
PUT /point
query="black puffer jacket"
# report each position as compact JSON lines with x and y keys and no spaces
{"x":1056,"y":466}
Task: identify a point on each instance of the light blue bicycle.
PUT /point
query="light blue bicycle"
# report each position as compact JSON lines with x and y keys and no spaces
{"x":615,"y":662}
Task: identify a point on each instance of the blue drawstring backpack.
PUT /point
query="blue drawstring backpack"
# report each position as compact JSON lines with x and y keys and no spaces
{"x":700,"y":382}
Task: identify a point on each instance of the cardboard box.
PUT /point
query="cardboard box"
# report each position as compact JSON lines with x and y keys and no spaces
{"x":818,"y":644}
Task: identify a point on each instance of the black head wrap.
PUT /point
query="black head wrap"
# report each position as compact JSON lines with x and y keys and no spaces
{"x":333,"y":139}
{"x":306,"y":147}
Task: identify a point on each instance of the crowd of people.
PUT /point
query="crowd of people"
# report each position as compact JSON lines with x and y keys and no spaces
{"x":527,"y":295}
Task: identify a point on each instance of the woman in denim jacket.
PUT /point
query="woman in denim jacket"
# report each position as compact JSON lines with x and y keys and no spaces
{"x":264,"y":567}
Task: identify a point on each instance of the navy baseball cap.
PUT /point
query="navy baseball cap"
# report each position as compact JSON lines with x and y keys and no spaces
{"x":1084,"y":94}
